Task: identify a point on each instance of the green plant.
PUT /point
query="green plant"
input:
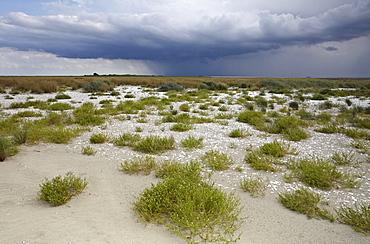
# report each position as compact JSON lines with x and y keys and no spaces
{"x":357,"y":134}
{"x":255,"y":185}
{"x":88,"y":150}
{"x":237,"y":133}
{"x":361,"y":145}
{"x":60,"y":106}
{"x":170,"y":87}
{"x":98,"y":138}
{"x":192,"y":143}
{"x":62,"y":96}
{"x":305,"y":202}
{"x":294,"y":105}
{"x":190,"y":207}
{"x":126,"y":139}
{"x":259,"y":161}
{"x":61,"y":135}
{"x":138,"y":129}
{"x":98,"y":86}
{"x":275,"y":149}
{"x":21,"y":135}
{"x":138,"y":165}
{"x":251,"y":117}
{"x":319,"y":173}
{"x":86,"y":115}
{"x":180,"y":127}
{"x":5,"y":146}
{"x":328,"y":129}
{"x":185,"y":107}
{"x":342,"y":158}
{"x":216,"y":160}
{"x":154,"y":144}
{"x":59,"y":191}
{"x":357,"y":217}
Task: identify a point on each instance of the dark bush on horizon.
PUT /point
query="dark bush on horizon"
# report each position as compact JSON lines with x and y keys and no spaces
{"x":170,"y":87}
{"x":210,"y":85}
{"x":98,"y":86}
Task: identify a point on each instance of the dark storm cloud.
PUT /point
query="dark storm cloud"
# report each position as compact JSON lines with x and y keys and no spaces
{"x":331,"y":48}
{"x":166,"y":37}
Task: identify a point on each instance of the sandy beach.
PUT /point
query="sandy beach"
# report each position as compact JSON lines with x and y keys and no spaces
{"x":102,"y":213}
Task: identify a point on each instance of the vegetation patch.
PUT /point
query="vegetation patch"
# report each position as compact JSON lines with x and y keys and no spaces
{"x":60,"y":190}
{"x":138,"y":165}
{"x":358,"y":217}
{"x":190,"y":207}
{"x":154,"y":144}
{"x":320,"y":173}
{"x":192,"y":143}
{"x":255,"y":185}
{"x":305,"y":202}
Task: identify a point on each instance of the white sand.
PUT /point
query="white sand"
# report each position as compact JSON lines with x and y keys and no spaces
{"x":102,"y":213}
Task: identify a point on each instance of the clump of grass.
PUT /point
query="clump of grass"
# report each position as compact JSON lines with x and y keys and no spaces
{"x":259,"y":161}
{"x":192,"y":143}
{"x":357,"y":134}
{"x":62,"y":135}
{"x":290,"y":127}
{"x":126,"y":139}
{"x":21,"y":135}
{"x":60,"y":106}
{"x":216,"y":160}
{"x":328,"y":129}
{"x":154,"y":144}
{"x":255,"y":118}
{"x":98,"y":138}
{"x":357,"y":217}
{"x":138,"y":165}
{"x":361,"y":145}
{"x":185,"y":107}
{"x":180,"y":127}
{"x":167,"y":168}
{"x":62,"y":96}
{"x":275,"y":149}
{"x":342,"y":158}
{"x":305,"y":202}
{"x":319,"y":173}
{"x":190,"y":207}
{"x":5,"y":146}
{"x":59,"y":191}
{"x":255,"y":185}
{"x":237,"y":133}
{"x":88,"y":150}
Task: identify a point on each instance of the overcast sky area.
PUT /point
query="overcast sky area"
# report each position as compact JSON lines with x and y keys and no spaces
{"x":278,"y":38}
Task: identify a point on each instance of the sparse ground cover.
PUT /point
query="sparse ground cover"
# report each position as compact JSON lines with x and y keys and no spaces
{"x":282,"y":126}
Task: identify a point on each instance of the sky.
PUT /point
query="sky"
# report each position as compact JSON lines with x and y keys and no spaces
{"x":269,"y":38}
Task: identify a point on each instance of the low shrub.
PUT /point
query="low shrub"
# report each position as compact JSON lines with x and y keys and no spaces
{"x":255,"y":185}
{"x":259,"y":161}
{"x":192,"y":143}
{"x":190,"y":207}
{"x":59,"y":191}
{"x":138,"y":165}
{"x":342,"y":158}
{"x":61,"y":135}
{"x":305,"y":202}
{"x":319,"y":173}
{"x":170,"y":87}
{"x":154,"y":144}
{"x":216,"y":160}
{"x":126,"y":139}
{"x":98,"y":138}
{"x":275,"y":149}
{"x":358,"y":217}
{"x":88,"y":150}
{"x":60,"y":106}
{"x":255,"y":118}
{"x":180,"y":127}
{"x":210,"y":85}
{"x":5,"y":146}
{"x":98,"y":86}
{"x":237,"y":133}
{"x":185,"y":107}
{"x":62,"y":96}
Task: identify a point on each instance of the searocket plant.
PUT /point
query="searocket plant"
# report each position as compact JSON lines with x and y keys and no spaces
{"x":190,"y":207}
{"x":60,"y":190}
